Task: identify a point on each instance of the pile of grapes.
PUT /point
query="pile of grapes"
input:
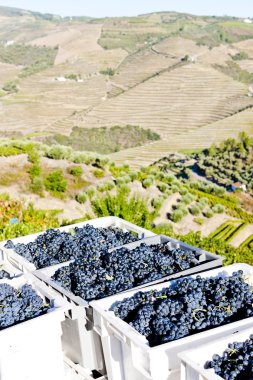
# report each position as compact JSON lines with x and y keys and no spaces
{"x":17,"y":305}
{"x":102,"y":273}
{"x":236,"y":362}
{"x":54,"y":247}
{"x":187,"y":307}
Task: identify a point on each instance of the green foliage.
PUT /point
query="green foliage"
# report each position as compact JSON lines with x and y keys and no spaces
{"x":90,"y":191}
{"x":105,"y":140}
{"x":133,"y":209}
{"x":82,"y":198}
{"x":163,"y":229}
{"x":240,"y":56}
{"x":195,"y":210}
{"x":218,"y":209}
{"x":10,"y":87}
{"x":33,"y":58}
{"x":247,"y":243}
{"x":37,"y":185}
{"x":236,"y":72}
{"x":162,"y":187}
{"x":57,"y":152}
{"x":147,"y":183}
{"x":76,"y":171}
{"x":7,"y":151}
{"x":98,"y":173}
{"x":35,"y":171}
{"x":208,"y":213}
{"x":230,"y":162}
{"x":133,"y":175}
{"x":30,"y":219}
{"x":108,"y":71}
{"x":231,"y":254}
{"x":55,"y":182}
{"x":199,"y":221}
{"x":178,"y":215}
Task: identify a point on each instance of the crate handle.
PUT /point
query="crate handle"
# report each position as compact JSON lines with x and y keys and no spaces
{"x":136,"y":362}
{"x":116,"y":333}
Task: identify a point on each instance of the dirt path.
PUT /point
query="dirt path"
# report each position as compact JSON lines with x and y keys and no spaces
{"x":166,"y":208}
{"x":242,"y":236}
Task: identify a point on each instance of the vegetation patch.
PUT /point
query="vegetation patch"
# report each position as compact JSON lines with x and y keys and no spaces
{"x":105,"y":140}
{"x":33,"y":58}
{"x":229,"y":162}
{"x":233,"y":70}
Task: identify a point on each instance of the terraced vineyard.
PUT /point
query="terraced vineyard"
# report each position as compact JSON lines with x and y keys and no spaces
{"x":199,"y":138}
{"x":172,"y":103}
{"x":154,"y":71}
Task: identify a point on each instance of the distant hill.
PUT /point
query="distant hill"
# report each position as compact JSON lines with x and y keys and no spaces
{"x":187,"y":78}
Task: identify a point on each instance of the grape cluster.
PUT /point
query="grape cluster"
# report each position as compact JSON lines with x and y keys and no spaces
{"x":17,"y":305}
{"x":54,"y":247}
{"x":236,"y":362}
{"x":102,"y":273}
{"x":188,"y":306}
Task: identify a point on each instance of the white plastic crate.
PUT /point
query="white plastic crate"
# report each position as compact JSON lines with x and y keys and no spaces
{"x":81,"y":343}
{"x":8,"y":267}
{"x":193,"y":361}
{"x":77,"y":372}
{"x":127,"y":353}
{"x":32,"y":349}
{"x":109,"y":221}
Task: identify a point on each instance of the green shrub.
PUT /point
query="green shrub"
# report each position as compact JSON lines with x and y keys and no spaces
{"x":57,"y":152}
{"x":146,"y":183}
{"x":208,"y":213}
{"x":82,"y":158}
{"x":10,"y":87}
{"x":109,"y":185}
{"x":55,"y":182}
{"x":218,"y":209}
{"x":183,"y":191}
{"x":177,"y":215}
{"x":157,"y":202}
{"x":98,"y":173}
{"x":174,"y":188}
{"x":101,"y":187}
{"x":162,"y":187}
{"x":37,"y":185}
{"x":163,"y":229}
{"x":187,"y":199}
{"x":133,"y":209}
{"x":82,"y":198}
{"x":133,"y":175}
{"x":195,"y":210}
{"x":76,"y":171}
{"x":199,"y":221}
{"x":35,"y":171}
{"x":108,"y":71}
{"x":90,"y":191}
{"x":120,"y":181}
{"x":7,"y":151}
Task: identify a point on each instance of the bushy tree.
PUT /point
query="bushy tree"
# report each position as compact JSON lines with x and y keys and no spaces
{"x":55,"y":182}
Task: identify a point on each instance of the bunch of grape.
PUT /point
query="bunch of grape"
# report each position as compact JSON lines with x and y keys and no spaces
{"x":54,"y":247}
{"x":188,"y":306}
{"x":17,"y":305}
{"x":236,"y":362}
{"x":102,"y":273}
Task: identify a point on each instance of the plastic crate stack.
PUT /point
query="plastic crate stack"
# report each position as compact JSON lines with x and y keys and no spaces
{"x":96,"y":343}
